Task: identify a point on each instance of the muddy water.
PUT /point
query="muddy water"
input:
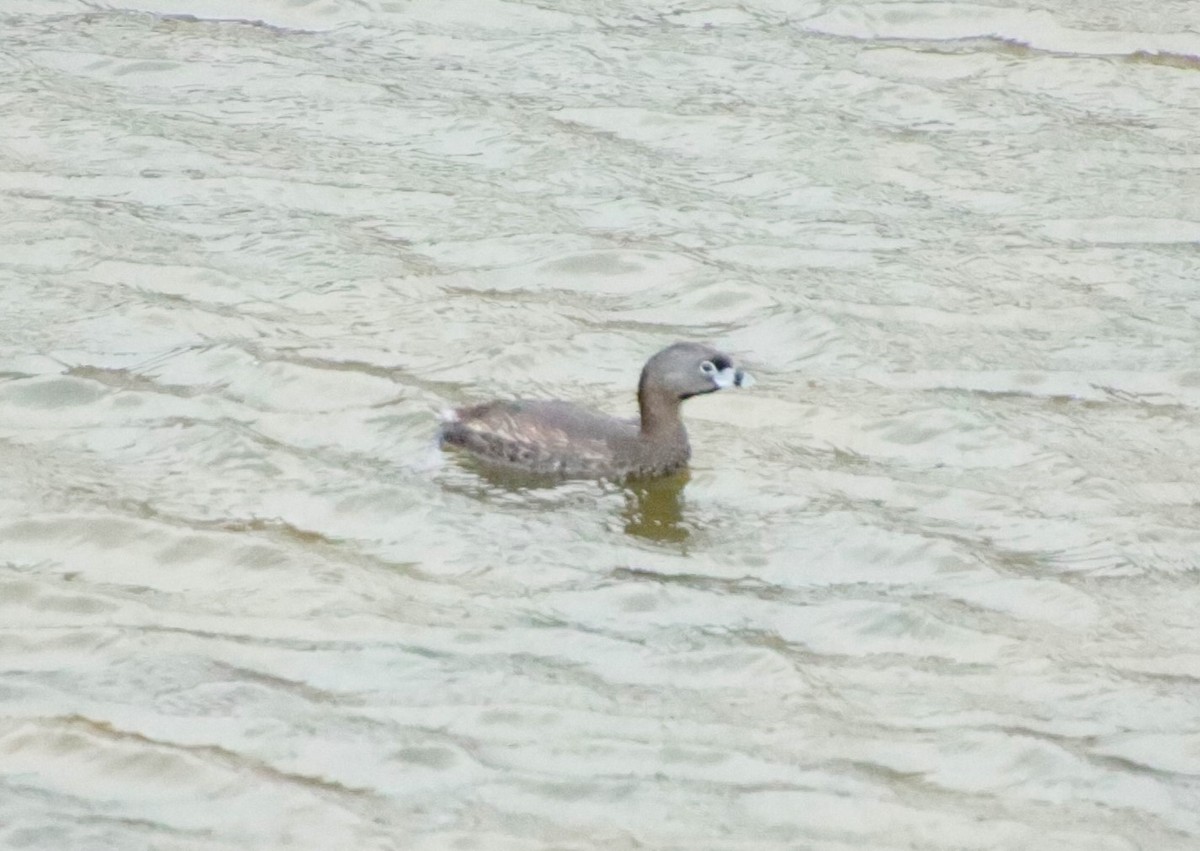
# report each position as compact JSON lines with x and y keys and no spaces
{"x":933,"y":583}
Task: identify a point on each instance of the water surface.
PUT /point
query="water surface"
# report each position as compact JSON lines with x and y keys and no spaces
{"x":931,"y":584}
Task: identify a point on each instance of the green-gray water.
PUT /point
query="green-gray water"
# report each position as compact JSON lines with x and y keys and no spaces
{"x":934,"y":583}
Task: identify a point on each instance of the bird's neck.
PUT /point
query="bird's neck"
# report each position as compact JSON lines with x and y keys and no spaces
{"x":659,"y":409}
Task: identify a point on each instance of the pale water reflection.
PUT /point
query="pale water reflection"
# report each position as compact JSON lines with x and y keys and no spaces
{"x":932,"y":583}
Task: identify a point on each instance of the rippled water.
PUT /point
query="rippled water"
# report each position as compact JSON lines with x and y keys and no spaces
{"x":932,"y":584}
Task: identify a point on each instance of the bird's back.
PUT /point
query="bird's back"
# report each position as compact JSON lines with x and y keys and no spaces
{"x":554,"y":437}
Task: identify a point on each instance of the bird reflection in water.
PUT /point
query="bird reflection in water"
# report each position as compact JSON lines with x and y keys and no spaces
{"x":654,"y":508}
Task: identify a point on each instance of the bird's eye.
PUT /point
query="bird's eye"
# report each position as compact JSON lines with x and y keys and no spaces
{"x":708,"y":367}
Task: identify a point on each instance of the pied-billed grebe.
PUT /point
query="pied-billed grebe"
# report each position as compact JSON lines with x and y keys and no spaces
{"x":561,"y":439}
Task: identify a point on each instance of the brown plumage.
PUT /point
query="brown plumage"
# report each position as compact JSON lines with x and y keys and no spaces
{"x":562,"y":439}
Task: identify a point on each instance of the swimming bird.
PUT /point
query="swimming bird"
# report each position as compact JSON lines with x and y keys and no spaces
{"x":558,"y":438}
